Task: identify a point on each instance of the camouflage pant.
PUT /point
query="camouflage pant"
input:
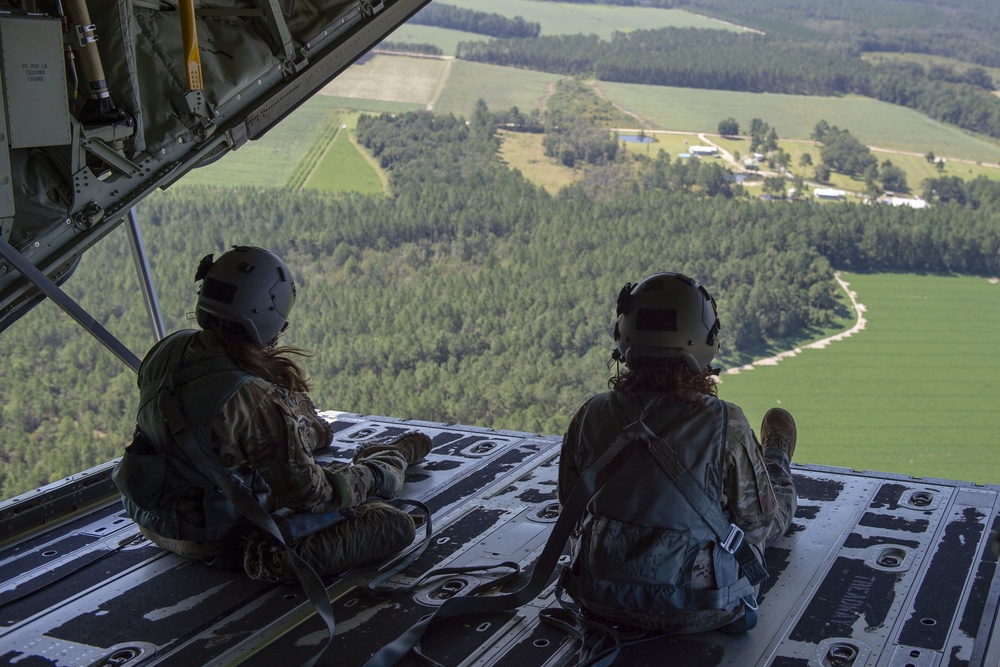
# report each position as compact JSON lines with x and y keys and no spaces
{"x":378,"y":531}
{"x":779,"y":470}
{"x":380,"y":475}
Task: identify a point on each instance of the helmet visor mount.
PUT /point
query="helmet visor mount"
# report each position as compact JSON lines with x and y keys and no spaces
{"x":248,"y":286}
{"x":667,"y":315}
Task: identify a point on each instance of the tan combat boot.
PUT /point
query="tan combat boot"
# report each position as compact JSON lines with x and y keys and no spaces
{"x":778,"y":430}
{"x":413,"y":445}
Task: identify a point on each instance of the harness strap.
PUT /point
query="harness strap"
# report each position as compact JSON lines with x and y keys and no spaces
{"x":592,"y":478}
{"x":730,"y":535}
{"x":247,"y":505}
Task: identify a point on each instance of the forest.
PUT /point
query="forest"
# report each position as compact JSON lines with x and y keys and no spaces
{"x":962,"y":29}
{"x":723,"y":60}
{"x":482,"y":23}
{"x":469,"y":295}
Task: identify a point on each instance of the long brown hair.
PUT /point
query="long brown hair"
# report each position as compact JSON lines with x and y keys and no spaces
{"x":274,"y":364}
{"x":665,"y":376}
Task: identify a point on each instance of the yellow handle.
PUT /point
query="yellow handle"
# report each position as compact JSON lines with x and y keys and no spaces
{"x":192,"y":57}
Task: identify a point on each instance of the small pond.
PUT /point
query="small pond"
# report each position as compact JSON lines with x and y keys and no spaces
{"x":635,"y":139}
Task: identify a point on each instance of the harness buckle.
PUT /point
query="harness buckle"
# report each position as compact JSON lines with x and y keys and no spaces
{"x":734,"y":539}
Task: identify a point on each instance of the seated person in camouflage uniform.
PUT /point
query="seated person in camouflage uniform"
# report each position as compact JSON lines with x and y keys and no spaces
{"x":244,"y":399}
{"x":643,"y":555}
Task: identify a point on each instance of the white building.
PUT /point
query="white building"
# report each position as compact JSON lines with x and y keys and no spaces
{"x":703,"y":151}
{"x":829,"y":193}
{"x":904,"y":201}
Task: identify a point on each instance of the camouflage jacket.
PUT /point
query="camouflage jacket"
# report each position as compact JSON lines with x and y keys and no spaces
{"x":747,"y":496}
{"x":275,"y":432}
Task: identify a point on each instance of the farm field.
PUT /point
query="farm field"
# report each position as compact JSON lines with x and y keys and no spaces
{"x":500,"y":87}
{"x":558,"y":18}
{"x":921,"y":370}
{"x":273,"y":158}
{"x":795,"y":116}
{"x":405,"y":79}
{"x":402,"y":83}
{"x":345,"y":168}
{"x":444,"y":39}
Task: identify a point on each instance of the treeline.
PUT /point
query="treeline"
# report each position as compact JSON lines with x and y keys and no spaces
{"x":470,"y":20}
{"x":469,"y":295}
{"x":961,"y":29}
{"x":408,"y":47}
{"x":717,"y":59}
{"x":975,"y":194}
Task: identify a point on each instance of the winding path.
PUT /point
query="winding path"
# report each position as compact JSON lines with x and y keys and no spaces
{"x":859,"y":325}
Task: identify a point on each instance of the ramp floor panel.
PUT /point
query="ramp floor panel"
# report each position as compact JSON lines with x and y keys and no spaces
{"x":875,"y":570}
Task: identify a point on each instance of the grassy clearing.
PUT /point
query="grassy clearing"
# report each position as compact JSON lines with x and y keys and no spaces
{"x":795,"y":116}
{"x":570,"y":18}
{"x":373,"y":106}
{"x":525,"y":152}
{"x":915,"y":392}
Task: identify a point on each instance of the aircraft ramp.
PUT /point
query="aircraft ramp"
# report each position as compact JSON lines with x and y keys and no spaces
{"x":876,"y":569}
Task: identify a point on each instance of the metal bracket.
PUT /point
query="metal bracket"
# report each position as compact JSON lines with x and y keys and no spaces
{"x":71,"y":307}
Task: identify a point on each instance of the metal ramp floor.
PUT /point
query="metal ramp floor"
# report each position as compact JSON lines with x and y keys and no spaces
{"x":876,"y":570}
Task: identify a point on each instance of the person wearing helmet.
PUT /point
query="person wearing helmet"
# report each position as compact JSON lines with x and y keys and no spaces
{"x":648,"y":551}
{"x":227,"y":398}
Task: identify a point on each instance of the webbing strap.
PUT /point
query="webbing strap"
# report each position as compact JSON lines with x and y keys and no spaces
{"x":581,"y":495}
{"x":247,"y":505}
{"x":374,"y":584}
{"x":729,"y":535}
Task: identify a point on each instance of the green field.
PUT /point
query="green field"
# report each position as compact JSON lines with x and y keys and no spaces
{"x":501,"y":88}
{"x":444,"y":39}
{"x":344,"y":168}
{"x":916,"y":392}
{"x":273,"y":158}
{"x":558,"y":18}
{"x":795,"y":116}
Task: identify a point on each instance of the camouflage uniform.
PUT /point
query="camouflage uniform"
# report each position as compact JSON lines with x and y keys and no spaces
{"x":275,"y":432}
{"x":758,"y":492}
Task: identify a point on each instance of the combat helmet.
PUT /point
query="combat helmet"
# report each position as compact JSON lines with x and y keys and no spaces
{"x":666,"y":315}
{"x":247,"y":285}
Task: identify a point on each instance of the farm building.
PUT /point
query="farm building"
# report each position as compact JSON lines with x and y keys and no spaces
{"x":905,"y":201}
{"x":829,"y":193}
{"x":704,"y":151}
